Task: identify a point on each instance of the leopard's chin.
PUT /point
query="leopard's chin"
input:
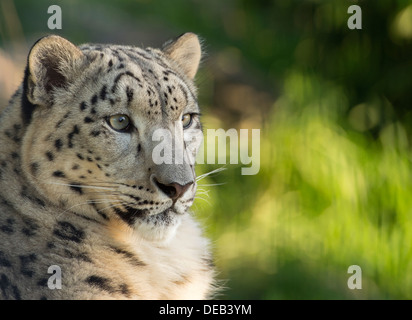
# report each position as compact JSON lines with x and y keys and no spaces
{"x":158,"y":227}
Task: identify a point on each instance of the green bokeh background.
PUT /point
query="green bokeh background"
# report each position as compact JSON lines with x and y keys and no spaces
{"x":333,"y":106}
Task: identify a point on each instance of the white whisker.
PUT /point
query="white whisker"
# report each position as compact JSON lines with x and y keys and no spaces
{"x":205,"y":192}
{"x":211,"y":184}
{"x":200,"y":198}
{"x":202,"y":176}
{"x":103,"y":201}
{"x":68,"y":209}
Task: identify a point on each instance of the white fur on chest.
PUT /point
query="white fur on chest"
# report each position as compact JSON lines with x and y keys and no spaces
{"x":176,"y":268}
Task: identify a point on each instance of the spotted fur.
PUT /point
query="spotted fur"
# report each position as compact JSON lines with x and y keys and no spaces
{"x":77,"y":194}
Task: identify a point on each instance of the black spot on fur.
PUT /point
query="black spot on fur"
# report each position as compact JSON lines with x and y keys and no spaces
{"x":119,"y":76}
{"x":26,"y":194}
{"x":100,"y":282}
{"x":129,"y":93}
{"x":133,"y":76}
{"x":27,"y":107}
{"x":75,"y":167}
{"x":58,"y":124}
{"x":124,"y":216}
{"x":34,"y":167}
{"x":30,"y":227}
{"x":133,"y":197}
{"x":80,"y":156}
{"x":58,"y":144}
{"x":50,"y":245}
{"x":103,"y":92}
{"x":59,"y":174}
{"x":14,"y":133}
{"x":50,"y":156}
{"x":78,"y":256}
{"x":130,"y":214}
{"x":8,"y":227}
{"x":83,"y":106}
{"x":130,"y":257}
{"x":94,"y":99}
{"x":14,"y":155}
{"x":77,"y":188}
{"x":104,"y":216}
{"x":71,"y":135}
{"x":4,"y":262}
{"x":68,"y":232}
{"x":124,"y":289}
{"x":25,"y":261}
{"x":8,"y":290}
{"x":43,"y":282}
{"x":88,"y":120}
{"x":95,"y":133}
{"x":106,"y":284}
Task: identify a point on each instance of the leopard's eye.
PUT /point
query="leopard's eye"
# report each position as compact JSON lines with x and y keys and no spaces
{"x":119,"y":122}
{"x":186,"y":120}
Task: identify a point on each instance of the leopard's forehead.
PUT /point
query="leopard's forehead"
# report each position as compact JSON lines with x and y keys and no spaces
{"x":126,"y":77}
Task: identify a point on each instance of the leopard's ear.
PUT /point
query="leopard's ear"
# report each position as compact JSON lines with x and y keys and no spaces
{"x":53,"y":62}
{"x":186,"y":52}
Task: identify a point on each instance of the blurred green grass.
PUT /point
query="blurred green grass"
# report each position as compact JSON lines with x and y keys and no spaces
{"x":325,"y":198}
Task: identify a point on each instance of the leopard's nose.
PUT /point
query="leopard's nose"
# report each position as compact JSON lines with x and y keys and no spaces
{"x":173,"y":190}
